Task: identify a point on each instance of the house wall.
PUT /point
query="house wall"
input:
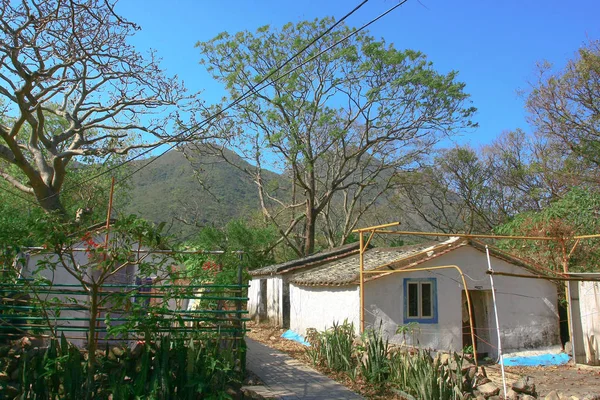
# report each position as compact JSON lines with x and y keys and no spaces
{"x":320,"y":307}
{"x":589,"y":311}
{"x":41,"y":264}
{"x":60,"y":276}
{"x":527,"y":308}
{"x":272,"y":310}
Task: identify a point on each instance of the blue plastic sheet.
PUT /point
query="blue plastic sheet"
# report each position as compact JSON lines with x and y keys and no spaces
{"x":539,"y":360}
{"x":296,"y":337}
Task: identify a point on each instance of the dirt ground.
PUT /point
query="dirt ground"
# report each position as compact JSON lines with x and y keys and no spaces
{"x":566,"y":379}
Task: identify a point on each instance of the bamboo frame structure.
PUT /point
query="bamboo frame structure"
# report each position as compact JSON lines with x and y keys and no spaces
{"x":380,"y":229}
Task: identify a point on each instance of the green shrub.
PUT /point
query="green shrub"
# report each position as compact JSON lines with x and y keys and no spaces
{"x":334,"y":347}
{"x":375,"y":365}
{"x":169,"y":369}
{"x":419,"y":376}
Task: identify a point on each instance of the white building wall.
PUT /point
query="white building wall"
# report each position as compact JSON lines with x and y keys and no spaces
{"x":272,"y":310}
{"x":48,"y":266}
{"x":527,"y":308}
{"x":589,"y":303}
{"x":320,"y":307}
{"x":253,"y":303}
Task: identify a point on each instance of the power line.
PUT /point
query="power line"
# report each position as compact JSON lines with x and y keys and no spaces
{"x":194,"y":129}
{"x":255,"y":88}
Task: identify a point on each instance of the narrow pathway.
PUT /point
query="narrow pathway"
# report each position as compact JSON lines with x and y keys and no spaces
{"x":288,"y":378}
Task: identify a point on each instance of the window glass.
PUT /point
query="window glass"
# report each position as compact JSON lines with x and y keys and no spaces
{"x":426,"y":310}
{"x":413,"y":299}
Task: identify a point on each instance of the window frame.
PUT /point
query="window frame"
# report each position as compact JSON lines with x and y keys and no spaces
{"x":433,"y":319}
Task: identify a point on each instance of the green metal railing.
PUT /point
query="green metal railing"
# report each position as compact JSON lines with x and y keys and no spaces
{"x":49,"y":310}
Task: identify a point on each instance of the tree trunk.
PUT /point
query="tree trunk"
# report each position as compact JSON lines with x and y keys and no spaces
{"x":309,"y":229}
{"x":49,"y":200}
{"x":92,"y":344}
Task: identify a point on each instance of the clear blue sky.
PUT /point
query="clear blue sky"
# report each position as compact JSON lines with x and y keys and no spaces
{"x":494,"y":44}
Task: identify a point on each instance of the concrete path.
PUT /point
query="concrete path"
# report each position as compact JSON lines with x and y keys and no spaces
{"x":288,"y":378}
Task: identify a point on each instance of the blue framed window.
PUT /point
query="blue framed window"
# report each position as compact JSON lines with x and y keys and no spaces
{"x":420,"y":300}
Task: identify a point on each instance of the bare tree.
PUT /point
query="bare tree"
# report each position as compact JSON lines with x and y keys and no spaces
{"x":564,"y":106}
{"x":340,"y":126}
{"x":71,"y":61}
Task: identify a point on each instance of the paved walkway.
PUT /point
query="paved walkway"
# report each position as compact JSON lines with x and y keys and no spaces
{"x":289,"y":378}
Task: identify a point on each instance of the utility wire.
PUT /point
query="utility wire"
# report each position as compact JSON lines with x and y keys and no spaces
{"x":194,"y":129}
{"x":255,"y":88}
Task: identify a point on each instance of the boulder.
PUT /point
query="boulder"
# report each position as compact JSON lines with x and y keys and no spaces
{"x":512,"y":395}
{"x":591,"y":396}
{"x":525,"y":385}
{"x":527,"y":397}
{"x":552,"y":396}
{"x":488,"y":389}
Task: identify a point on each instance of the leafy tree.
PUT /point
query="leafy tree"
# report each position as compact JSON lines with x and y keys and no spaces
{"x":71,"y":85}
{"x":574,"y":214}
{"x":239,"y":242}
{"x":456,"y":193}
{"x":340,"y":125}
{"x":564,"y":106}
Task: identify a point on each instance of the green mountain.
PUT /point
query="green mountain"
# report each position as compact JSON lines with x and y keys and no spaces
{"x":169,"y":190}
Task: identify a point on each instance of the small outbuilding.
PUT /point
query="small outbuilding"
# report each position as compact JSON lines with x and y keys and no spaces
{"x":584,"y":308}
{"x":425,"y":308}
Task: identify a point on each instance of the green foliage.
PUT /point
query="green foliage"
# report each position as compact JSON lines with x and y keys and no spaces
{"x":198,"y":368}
{"x":333,"y":348}
{"x":306,"y":124}
{"x":411,"y":374}
{"x":574,"y":214}
{"x":375,"y":365}
{"x":563,"y":105}
{"x":237,"y":243}
{"x":419,"y":376}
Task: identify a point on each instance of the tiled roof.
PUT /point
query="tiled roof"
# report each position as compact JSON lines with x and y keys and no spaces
{"x":309,"y":261}
{"x":346,"y":271}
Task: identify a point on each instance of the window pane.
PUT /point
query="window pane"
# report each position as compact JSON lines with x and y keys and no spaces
{"x":426,"y":300}
{"x":413,"y":299}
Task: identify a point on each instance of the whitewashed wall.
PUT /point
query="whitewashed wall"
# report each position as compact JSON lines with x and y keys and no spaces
{"x":527,"y":307}
{"x":273,"y":309}
{"x":253,"y":304}
{"x":60,"y":276}
{"x":589,"y":303}
{"x":320,"y":307}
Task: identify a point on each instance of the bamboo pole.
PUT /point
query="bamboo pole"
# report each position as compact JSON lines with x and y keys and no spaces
{"x":362,"y":280}
{"x":487,"y":253}
{"x":569,"y":303}
{"x":462,"y":276}
{"x":466,"y":235}
{"x":548,"y":278}
{"x":371,"y":228}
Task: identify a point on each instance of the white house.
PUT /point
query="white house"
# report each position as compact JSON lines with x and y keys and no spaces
{"x":433,"y":301}
{"x":74,"y":314}
{"x":269,"y":287}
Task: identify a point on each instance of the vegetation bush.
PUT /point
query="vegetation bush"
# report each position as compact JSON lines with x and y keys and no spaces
{"x":171,"y":368}
{"x":410,"y":373}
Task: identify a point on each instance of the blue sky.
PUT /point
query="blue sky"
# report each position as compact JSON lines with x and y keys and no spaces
{"x":493,"y":44}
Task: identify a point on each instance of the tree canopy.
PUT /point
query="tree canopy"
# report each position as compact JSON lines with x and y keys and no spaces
{"x":71,"y":85}
{"x":340,"y":124}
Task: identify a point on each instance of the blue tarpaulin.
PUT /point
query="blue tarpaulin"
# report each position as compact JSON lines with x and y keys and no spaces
{"x":296,"y":337}
{"x":538,"y":360}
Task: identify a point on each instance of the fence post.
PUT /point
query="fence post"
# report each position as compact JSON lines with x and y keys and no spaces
{"x":239,"y":342}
